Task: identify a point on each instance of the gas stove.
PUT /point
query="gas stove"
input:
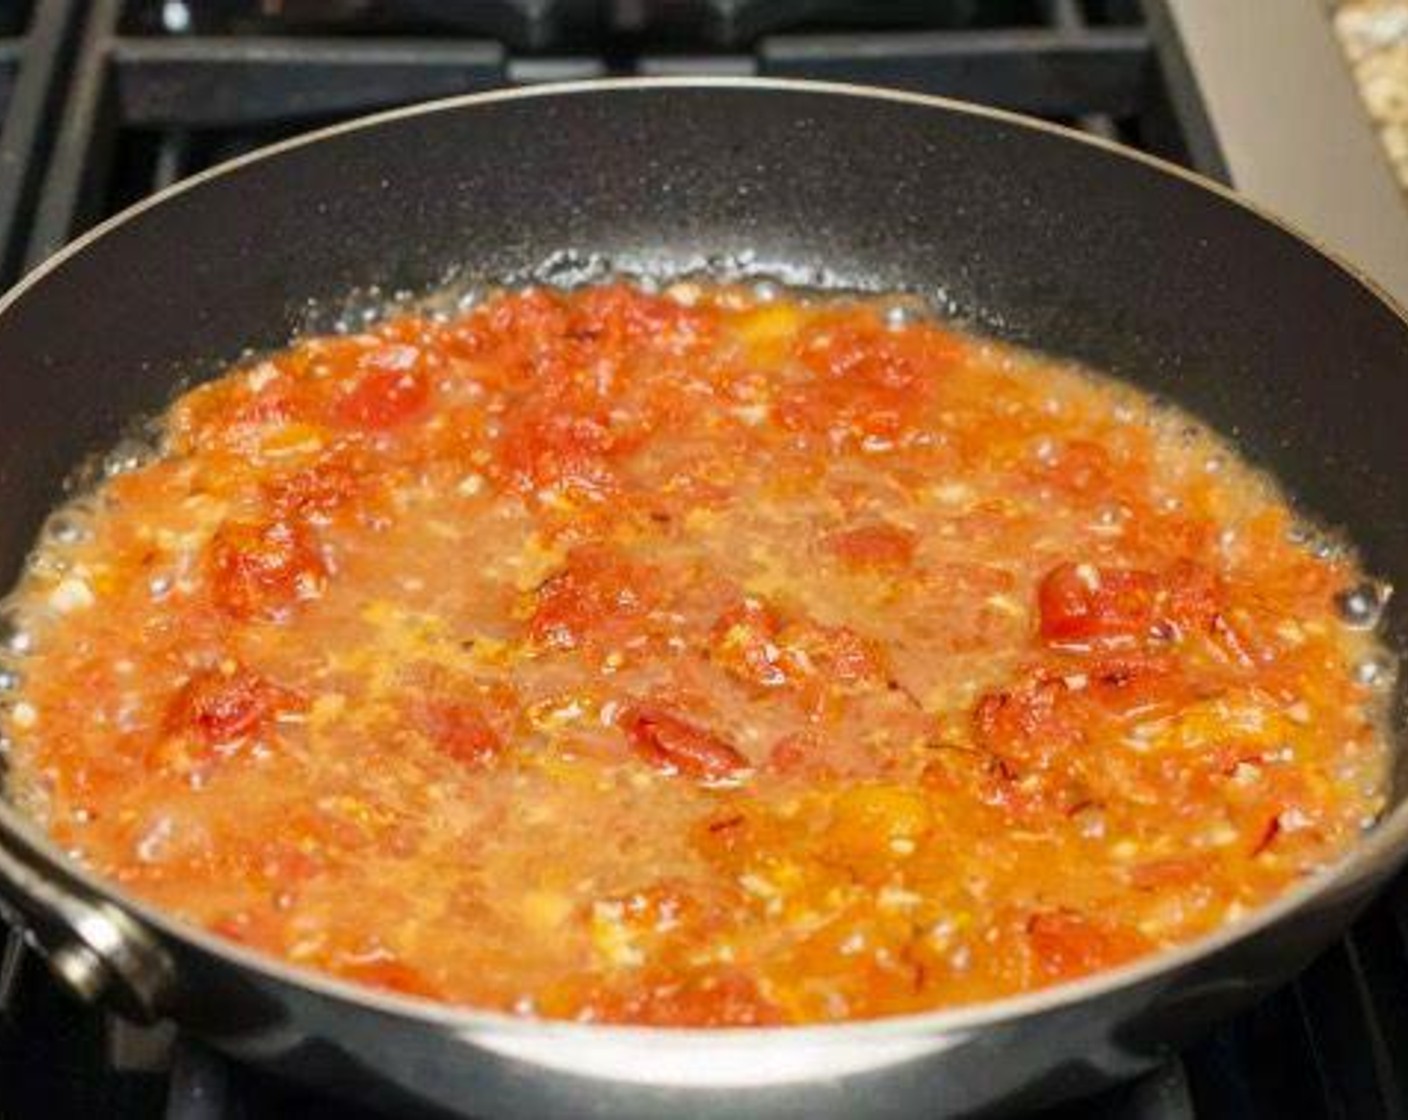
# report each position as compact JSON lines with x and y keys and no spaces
{"x":102,"y":103}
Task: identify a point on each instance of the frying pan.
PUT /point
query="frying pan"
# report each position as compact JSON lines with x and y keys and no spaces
{"x":1032,"y":233}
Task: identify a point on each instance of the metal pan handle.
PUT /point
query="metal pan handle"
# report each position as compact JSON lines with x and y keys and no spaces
{"x":95,"y":949}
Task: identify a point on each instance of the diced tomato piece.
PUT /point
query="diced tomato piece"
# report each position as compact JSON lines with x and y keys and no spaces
{"x":615,"y":315}
{"x":390,"y":389}
{"x":556,"y":445}
{"x":1050,"y":711}
{"x":868,"y":381}
{"x":260,"y":570}
{"x":459,"y":729}
{"x":314,"y":491}
{"x":671,"y":744}
{"x":752,"y":643}
{"x":1264,"y":832}
{"x":1082,"y":602}
{"x":1030,"y":720}
{"x":874,"y":546}
{"x":1067,"y":944}
{"x":744,"y":642}
{"x":220,"y":707}
{"x":595,"y":594}
{"x":859,"y":348}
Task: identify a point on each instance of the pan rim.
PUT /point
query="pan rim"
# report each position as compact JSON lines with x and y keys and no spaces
{"x":1384,"y":844}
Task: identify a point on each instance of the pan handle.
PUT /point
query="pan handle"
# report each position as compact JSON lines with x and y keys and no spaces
{"x":95,"y":949}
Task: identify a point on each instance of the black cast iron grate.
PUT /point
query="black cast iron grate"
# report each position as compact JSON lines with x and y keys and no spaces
{"x":149,"y":91}
{"x":34,"y":44}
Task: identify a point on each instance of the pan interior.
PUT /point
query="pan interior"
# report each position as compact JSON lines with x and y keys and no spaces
{"x":1030,"y":236}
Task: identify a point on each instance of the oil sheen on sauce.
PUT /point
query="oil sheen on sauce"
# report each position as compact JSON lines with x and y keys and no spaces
{"x":711,"y":656}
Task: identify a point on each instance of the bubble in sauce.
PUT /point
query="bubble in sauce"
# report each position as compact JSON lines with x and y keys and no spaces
{"x":766,"y":291}
{"x":1361,"y":607}
{"x":68,"y":527}
{"x":127,"y":455}
{"x":15,"y":636}
{"x":571,"y":268}
{"x":901,"y":315}
{"x":1374,"y":671}
{"x":46,"y":563}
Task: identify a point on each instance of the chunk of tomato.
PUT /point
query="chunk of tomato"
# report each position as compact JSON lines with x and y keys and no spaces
{"x":219,"y":706}
{"x":1030,"y":724}
{"x":596,"y":592}
{"x":390,"y":388}
{"x":261,"y":569}
{"x":744,"y":643}
{"x":857,"y":347}
{"x":459,"y":729}
{"x":1082,"y":602}
{"x":676,"y":746}
{"x":559,"y":445}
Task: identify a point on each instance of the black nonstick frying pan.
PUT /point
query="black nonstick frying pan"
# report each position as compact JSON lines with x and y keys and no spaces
{"x":1037,"y":235}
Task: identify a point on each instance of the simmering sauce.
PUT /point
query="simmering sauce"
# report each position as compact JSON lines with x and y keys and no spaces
{"x":703,"y":657}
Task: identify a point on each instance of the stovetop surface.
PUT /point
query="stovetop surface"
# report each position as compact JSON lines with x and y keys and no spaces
{"x":106,"y":101}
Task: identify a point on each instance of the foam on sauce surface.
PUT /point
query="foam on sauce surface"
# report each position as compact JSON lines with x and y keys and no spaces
{"x":691,"y":658}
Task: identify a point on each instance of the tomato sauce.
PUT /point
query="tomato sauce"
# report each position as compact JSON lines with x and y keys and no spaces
{"x":699,"y":657}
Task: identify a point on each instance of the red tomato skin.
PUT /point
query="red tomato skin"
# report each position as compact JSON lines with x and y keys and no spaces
{"x":221,"y":707}
{"x":595,"y":591}
{"x":1030,"y":723}
{"x":260,"y":570}
{"x":671,"y":744}
{"x":743,"y":642}
{"x":1082,"y":602}
{"x":559,"y":448}
{"x":460,"y":730}
{"x":389,"y":391}
{"x":1085,"y":603}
